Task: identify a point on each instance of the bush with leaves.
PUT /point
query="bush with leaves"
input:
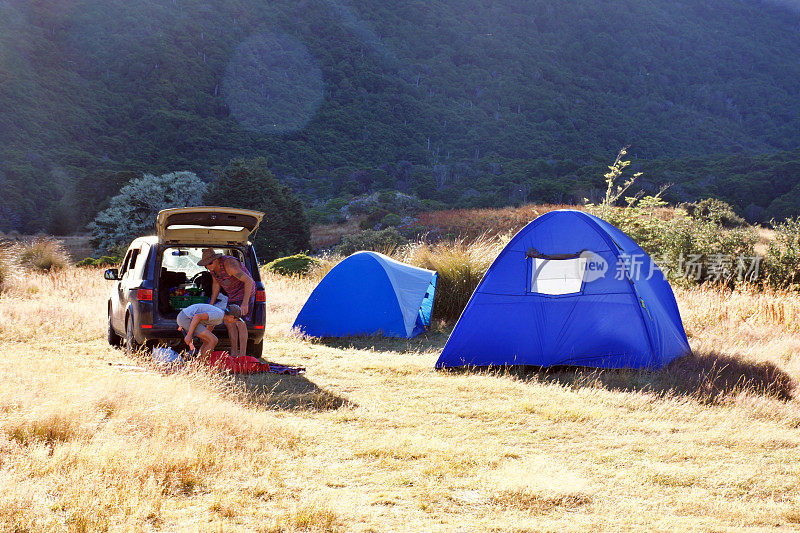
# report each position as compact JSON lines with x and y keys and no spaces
{"x":103,"y":261}
{"x":688,"y":246}
{"x":293,"y":265}
{"x":782,"y":260}
{"x":133,"y":211}
{"x":251,"y":185}
{"x":716,"y":211}
{"x":385,"y":241}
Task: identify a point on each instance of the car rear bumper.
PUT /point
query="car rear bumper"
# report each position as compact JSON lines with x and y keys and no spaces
{"x":171,"y":336}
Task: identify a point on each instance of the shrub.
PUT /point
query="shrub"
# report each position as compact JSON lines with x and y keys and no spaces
{"x":293,"y":265}
{"x":385,"y":241}
{"x":107,"y":261}
{"x":715,"y":211}
{"x":103,"y":261}
{"x":461,"y":266}
{"x":685,"y":248}
{"x":374,"y":218}
{"x":133,"y":211}
{"x":43,"y":255}
{"x":782,"y":260}
{"x":392,"y":219}
{"x":693,"y":245}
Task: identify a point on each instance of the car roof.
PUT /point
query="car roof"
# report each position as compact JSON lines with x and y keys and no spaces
{"x":149,"y":239}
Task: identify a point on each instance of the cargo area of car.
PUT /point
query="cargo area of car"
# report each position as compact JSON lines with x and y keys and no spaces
{"x":181,"y":282}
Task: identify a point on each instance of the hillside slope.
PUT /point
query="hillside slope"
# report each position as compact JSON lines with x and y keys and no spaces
{"x":453,"y":100}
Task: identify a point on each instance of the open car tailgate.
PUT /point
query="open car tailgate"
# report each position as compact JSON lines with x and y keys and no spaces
{"x":206,"y":225}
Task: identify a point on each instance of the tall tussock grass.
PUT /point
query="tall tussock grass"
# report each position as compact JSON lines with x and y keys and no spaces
{"x":461,"y":264}
{"x":43,"y":255}
{"x":9,"y":258}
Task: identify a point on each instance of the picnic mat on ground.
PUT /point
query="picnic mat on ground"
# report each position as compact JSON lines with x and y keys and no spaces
{"x":244,"y":364}
{"x":275,"y":368}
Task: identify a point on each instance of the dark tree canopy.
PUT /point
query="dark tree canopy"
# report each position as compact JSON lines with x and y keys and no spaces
{"x":250,"y":185}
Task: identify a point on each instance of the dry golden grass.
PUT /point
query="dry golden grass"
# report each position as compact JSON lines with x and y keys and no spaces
{"x":373,"y":439}
{"x":327,"y":235}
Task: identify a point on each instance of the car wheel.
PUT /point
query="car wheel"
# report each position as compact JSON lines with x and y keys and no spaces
{"x":113,"y":339}
{"x":255,"y":350}
{"x":131,"y":346}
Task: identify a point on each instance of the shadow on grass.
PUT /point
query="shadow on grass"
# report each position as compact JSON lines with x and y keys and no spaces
{"x":273,"y":391}
{"x":709,"y":377}
{"x":287,"y":392}
{"x":430,"y":341}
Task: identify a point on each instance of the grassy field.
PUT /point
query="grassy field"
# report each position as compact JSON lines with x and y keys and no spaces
{"x":373,"y":439}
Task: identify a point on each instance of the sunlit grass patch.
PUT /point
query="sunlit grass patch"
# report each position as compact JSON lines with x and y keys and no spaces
{"x":315,"y":517}
{"x":49,"y":429}
{"x":538,"y":485}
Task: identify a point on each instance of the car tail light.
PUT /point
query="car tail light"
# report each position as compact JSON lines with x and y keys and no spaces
{"x":144,"y":295}
{"x":147,"y":326}
{"x":258,"y":327}
{"x":261,"y":296}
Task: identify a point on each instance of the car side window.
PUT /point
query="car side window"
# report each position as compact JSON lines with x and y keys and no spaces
{"x":131,"y":269}
{"x":141,"y":264}
{"x":125,"y":263}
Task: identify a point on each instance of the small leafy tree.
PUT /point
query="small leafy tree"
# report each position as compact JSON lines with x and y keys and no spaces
{"x":782,"y":261}
{"x":614,"y":190}
{"x":250,"y":185}
{"x":133,"y":211}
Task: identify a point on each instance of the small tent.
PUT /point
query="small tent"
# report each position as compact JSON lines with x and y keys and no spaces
{"x":369,"y":293}
{"x":569,"y":289}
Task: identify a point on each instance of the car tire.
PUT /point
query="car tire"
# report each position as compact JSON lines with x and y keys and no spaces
{"x":131,"y":346}
{"x":113,"y":339}
{"x":255,"y":349}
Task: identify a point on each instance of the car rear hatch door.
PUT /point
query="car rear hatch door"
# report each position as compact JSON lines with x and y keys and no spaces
{"x":206,"y":225}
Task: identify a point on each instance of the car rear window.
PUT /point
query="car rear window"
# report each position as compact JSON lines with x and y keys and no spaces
{"x":184,"y":259}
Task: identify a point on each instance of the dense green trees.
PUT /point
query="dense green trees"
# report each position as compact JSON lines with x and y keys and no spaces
{"x":250,"y":185}
{"x":489,"y":103}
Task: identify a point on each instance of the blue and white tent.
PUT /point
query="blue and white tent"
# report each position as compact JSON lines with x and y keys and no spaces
{"x":569,"y":289}
{"x":369,"y":293}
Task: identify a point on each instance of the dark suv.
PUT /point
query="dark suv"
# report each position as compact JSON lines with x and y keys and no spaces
{"x":159,"y":272}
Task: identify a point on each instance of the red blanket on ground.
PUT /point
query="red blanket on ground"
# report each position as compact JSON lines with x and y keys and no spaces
{"x":243,"y":364}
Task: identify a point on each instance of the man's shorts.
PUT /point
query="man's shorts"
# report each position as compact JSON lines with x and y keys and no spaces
{"x":252,"y":304}
{"x":185,"y":322}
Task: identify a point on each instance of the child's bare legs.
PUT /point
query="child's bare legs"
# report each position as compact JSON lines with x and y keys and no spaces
{"x":209,"y":342}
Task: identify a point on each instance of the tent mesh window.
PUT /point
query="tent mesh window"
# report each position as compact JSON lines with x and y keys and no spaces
{"x":557,"y":276}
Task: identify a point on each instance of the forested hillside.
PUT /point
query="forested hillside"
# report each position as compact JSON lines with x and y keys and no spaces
{"x":459,"y":102}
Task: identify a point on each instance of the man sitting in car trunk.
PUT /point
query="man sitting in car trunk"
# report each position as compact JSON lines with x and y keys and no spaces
{"x":200,"y":319}
{"x":230,"y":274}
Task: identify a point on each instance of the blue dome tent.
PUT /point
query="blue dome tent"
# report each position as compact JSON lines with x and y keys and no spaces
{"x":569,"y":289}
{"x":369,"y":293}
